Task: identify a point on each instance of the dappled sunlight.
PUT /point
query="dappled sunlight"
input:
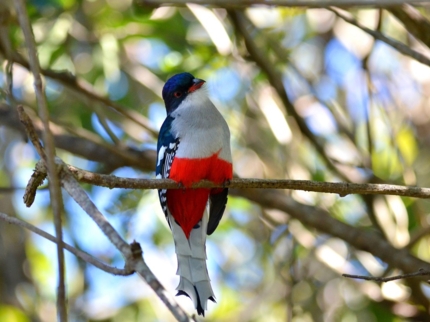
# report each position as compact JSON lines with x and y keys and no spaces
{"x":274,"y":116}
{"x":213,"y":26}
{"x":306,"y":95}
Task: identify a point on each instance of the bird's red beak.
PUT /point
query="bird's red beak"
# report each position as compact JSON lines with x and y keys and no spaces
{"x":197,"y":84}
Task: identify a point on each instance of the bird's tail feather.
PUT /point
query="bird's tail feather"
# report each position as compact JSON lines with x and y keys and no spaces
{"x":191,"y":253}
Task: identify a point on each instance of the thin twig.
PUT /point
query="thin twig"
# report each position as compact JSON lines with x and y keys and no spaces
{"x":102,"y":120}
{"x":363,"y":239}
{"x":420,"y":272}
{"x":400,"y":47}
{"x":78,"y":253}
{"x":54,"y":187}
{"x":241,"y":4}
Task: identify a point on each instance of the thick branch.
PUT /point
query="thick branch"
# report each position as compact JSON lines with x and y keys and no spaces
{"x":414,"y":22}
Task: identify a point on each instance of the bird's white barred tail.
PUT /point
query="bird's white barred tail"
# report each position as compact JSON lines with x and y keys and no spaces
{"x":191,"y":253}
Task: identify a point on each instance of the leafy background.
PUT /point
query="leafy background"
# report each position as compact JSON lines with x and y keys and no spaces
{"x":358,"y":101}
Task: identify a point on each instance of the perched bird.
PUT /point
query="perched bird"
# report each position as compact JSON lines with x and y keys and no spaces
{"x":193,"y":144}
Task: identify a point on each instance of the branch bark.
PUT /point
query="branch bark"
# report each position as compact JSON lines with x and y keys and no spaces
{"x":54,"y":186}
{"x":340,"y":188}
{"x":241,"y":4}
{"x":132,"y":253}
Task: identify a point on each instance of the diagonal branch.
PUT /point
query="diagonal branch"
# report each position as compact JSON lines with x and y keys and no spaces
{"x":143,"y":270}
{"x":414,"y":22}
{"x":72,"y":187}
{"x":132,"y":253}
{"x":400,"y":47}
{"x":78,"y":253}
{"x":242,"y":24}
{"x":83,"y":88}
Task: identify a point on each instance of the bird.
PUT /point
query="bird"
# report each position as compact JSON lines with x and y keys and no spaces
{"x":193,"y":145}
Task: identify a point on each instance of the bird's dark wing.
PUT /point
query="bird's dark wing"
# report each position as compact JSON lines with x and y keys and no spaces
{"x":166,"y":150}
{"x":217,"y":203}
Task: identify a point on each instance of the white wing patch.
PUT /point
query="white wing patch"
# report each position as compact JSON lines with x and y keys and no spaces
{"x":161,"y":154}
{"x":166,"y":155}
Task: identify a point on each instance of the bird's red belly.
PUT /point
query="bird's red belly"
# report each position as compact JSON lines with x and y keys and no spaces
{"x":187,"y":205}
{"x":189,"y":171}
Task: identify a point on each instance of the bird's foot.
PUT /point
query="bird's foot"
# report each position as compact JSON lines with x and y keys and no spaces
{"x":226,"y":183}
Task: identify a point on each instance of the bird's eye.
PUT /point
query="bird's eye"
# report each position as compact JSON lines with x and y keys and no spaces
{"x":177,"y":94}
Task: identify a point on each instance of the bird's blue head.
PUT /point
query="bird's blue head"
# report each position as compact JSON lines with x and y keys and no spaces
{"x":177,"y":88}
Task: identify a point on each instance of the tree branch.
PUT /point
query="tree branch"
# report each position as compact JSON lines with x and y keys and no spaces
{"x":78,"y":253}
{"x":143,"y":270}
{"x":400,"y":47}
{"x":54,"y":187}
{"x":340,"y":188}
{"x":242,"y":24}
{"x":420,"y":272}
{"x":68,"y":181}
{"x":112,"y":157}
{"x":132,"y":253}
{"x":83,"y":88}
{"x":414,"y":22}
{"x":241,"y":4}
{"x":359,"y":238}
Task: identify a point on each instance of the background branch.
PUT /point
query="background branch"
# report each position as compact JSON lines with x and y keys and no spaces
{"x":421,"y":272}
{"x":400,"y":47}
{"x":78,"y":253}
{"x":414,"y":22}
{"x":54,"y":186}
{"x":242,"y":25}
{"x":240,"y":4}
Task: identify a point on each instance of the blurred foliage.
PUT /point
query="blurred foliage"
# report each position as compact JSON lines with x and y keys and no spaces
{"x":362,"y":101}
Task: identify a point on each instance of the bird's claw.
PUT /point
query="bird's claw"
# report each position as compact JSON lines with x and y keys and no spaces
{"x":181,"y":185}
{"x":226,"y":183}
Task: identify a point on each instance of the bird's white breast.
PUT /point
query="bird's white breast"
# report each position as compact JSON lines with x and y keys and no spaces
{"x":201,"y":129}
